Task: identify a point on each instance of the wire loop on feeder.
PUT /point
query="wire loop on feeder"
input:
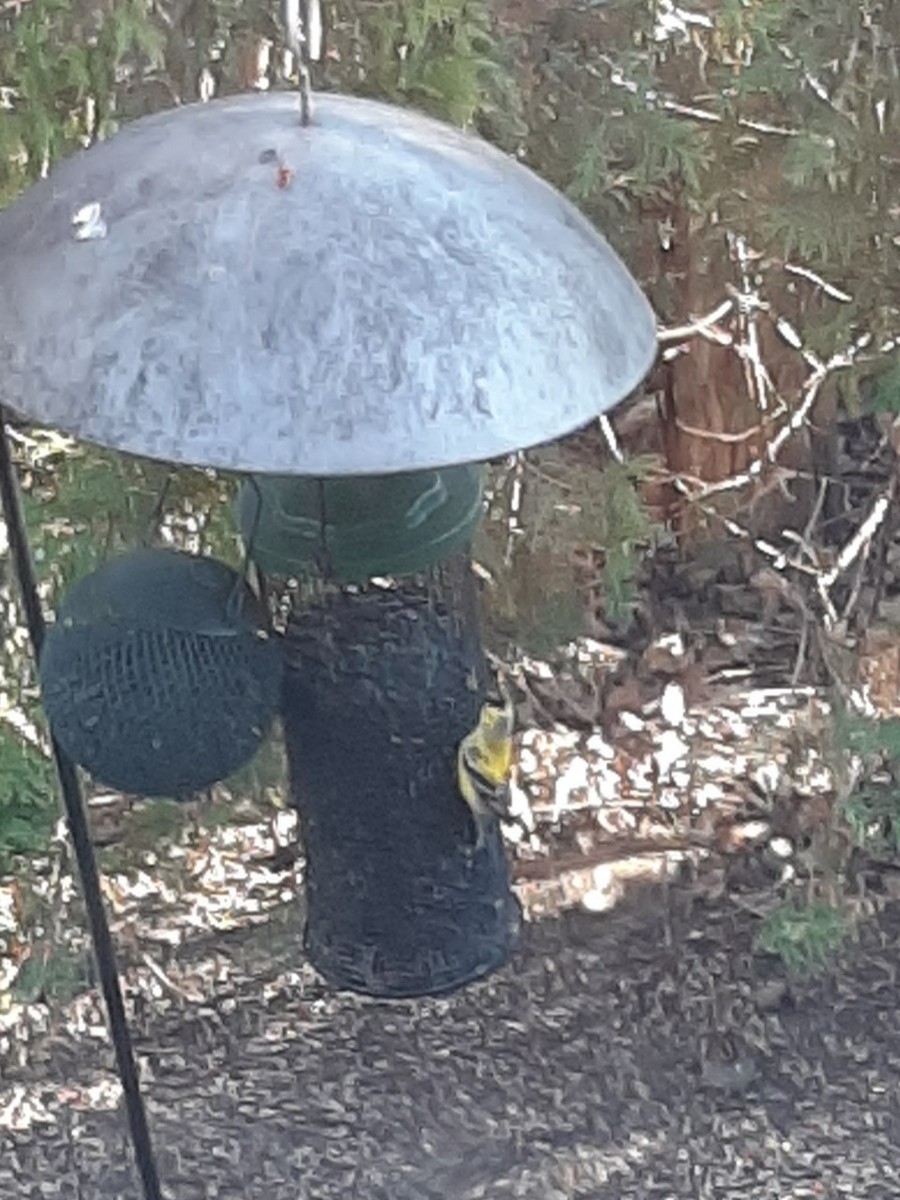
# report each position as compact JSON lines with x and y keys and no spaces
{"x":303,"y":28}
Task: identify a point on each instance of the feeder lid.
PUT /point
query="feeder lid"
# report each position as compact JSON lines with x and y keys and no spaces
{"x":219,"y":285}
{"x":396,"y":524}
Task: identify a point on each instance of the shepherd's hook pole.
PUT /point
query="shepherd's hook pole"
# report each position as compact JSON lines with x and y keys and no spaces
{"x":81,"y":841}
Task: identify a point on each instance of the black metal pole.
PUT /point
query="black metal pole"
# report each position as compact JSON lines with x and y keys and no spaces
{"x":70,"y":787}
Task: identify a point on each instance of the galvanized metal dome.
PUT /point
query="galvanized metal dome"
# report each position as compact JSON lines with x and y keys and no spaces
{"x":375,"y":292}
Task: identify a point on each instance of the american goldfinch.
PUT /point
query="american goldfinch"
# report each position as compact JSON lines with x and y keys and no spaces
{"x":483,"y":764}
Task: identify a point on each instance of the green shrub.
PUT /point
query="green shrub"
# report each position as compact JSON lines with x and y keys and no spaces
{"x":28,"y":806}
{"x":805,"y":937}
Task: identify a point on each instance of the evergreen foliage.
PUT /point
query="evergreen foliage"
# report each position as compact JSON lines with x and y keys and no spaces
{"x":60,"y":63}
{"x":805,"y":937}
{"x":775,"y":119}
{"x":27,"y":803}
{"x":572,"y":515}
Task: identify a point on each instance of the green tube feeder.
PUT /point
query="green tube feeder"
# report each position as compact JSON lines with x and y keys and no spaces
{"x":367,"y":526}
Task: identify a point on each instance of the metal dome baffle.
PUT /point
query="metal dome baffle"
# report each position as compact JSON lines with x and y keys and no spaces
{"x":373,"y":292}
{"x":364,"y":294}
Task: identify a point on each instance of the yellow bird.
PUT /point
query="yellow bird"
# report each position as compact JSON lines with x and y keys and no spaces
{"x":483,"y":765}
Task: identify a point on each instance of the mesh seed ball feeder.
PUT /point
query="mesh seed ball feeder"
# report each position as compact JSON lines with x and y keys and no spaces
{"x":160,"y":676}
{"x":352,"y":312}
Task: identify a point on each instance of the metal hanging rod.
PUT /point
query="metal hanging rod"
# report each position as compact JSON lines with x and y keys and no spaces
{"x":79,"y":832}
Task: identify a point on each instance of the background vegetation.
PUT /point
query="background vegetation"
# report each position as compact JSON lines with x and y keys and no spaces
{"x":741,"y":151}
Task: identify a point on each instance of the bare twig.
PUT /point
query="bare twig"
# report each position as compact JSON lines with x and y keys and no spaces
{"x":861,"y":538}
{"x":819,"y":373}
{"x":513,"y":524}
{"x":611,"y":440}
{"x":168,"y":983}
{"x":653,"y":99}
{"x":800,"y":657}
{"x":779,"y":558}
{"x":679,"y":332}
{"x":817,"y":508}
{"x":747,"y":309}
{"x":856,"y":589}
{"x":536,"y":869}
{"x":719,"y":435}
{"x":828,"y":288}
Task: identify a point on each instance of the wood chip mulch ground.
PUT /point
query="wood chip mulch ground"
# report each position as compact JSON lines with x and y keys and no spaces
{"x":639,"y":1045}
{"x":646,"y":1052}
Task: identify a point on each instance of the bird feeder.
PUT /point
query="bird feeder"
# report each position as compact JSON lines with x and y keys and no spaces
{"x":373,"y":292}
{"x":350,"y":313}
{"x":160,"y":676}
